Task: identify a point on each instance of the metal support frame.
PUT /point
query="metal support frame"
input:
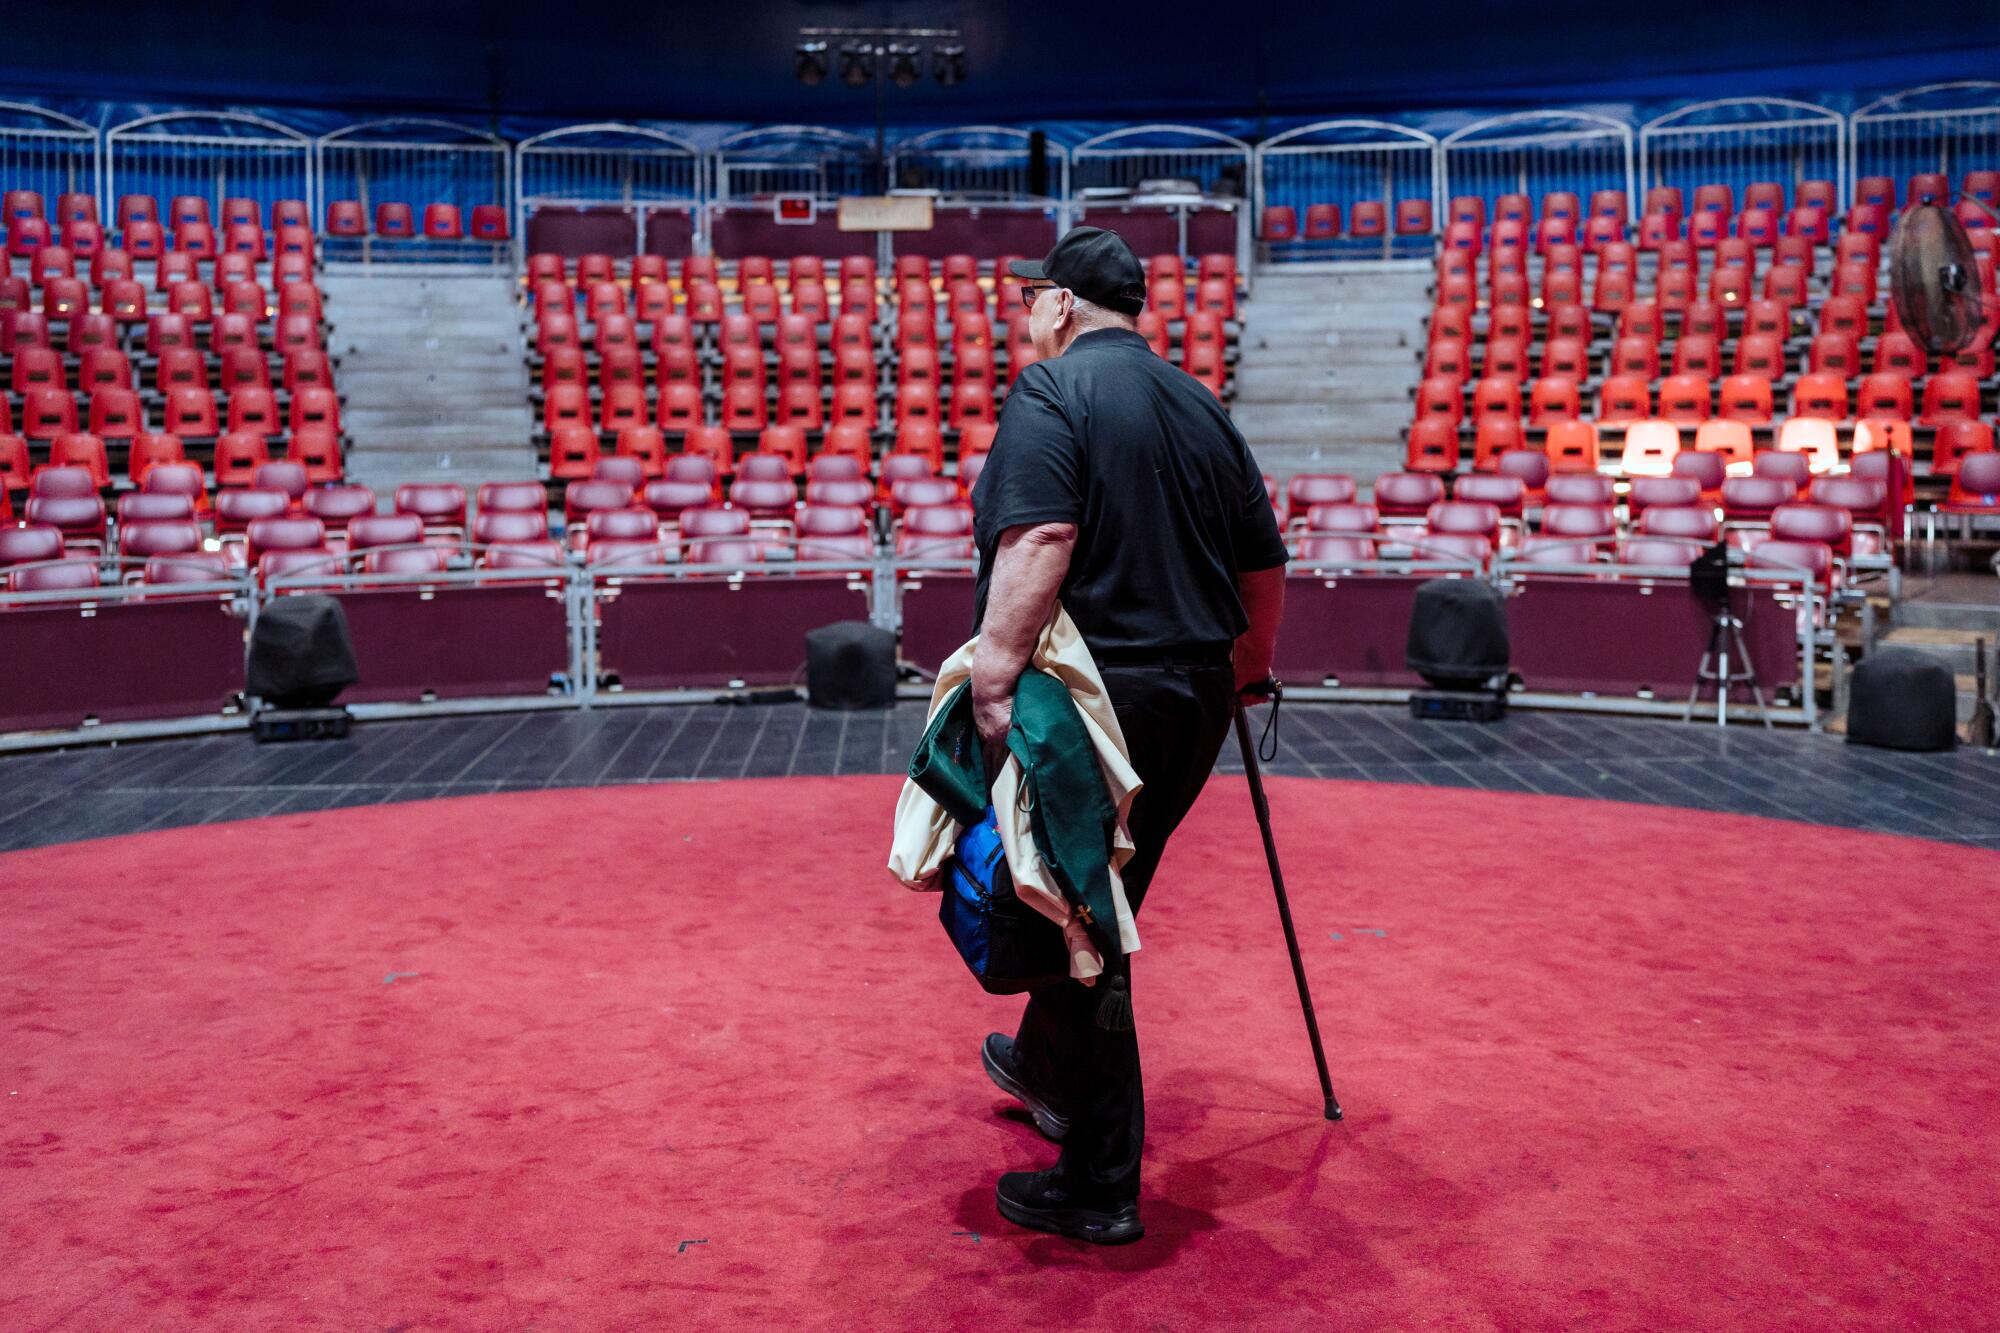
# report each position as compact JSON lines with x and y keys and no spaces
{"x":584,"y":585}
{"x":752,"y":165}
{"x":417,"y":161}
{"x":1735,"y":141}
{"x":609,"y":162}
{"x":1796,"y":580}
{"x":1346,"y":162}
{"x":51,"y":154}
{"x":1121,"y":158}
{"x":1947,"y":127}
{"x":1533,"y":153}
{"x":980,"y":163}
{"x":240,"y":156}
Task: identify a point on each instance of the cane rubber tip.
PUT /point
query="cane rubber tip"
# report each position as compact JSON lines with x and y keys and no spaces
{"x":1332,"y":1109}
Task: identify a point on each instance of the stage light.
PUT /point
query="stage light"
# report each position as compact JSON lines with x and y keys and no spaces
{"x":857,"y":65}
{"x":948,"y":63}
{"x":809,"y":62}
{"x":905,"y":64}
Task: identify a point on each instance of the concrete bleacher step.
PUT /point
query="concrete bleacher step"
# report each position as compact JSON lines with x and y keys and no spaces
{"x":1327,"y":367}
{"x":432,"y":374}
{"x":476,"y":378}
{"x":468,"y":465}
{"x":1955,"y":612}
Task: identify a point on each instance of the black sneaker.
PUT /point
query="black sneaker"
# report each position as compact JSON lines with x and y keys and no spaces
{"x":998,"y":1057}
{"x":1040,"y":1201}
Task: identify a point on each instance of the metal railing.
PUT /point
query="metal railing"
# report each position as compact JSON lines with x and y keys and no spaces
{"x":608,"y":164}
{"x":1738,"y":141}
{"x":49,"y":153}
{"x":417,"y":163}
{"x":1535,"y":153}
{"x":1945,"y":127}
{"x":586,"y":586}
{"x":1123,"y":165}
{"x":1343,"y":163}
{"x":211,"y":155}
{"x":980,"y":163}
{"x":755,"y":164}
{"x":216,"y":155}
{"x":586,"y":589}
{"x":128,"y":588}
{"x":1789,"y":580}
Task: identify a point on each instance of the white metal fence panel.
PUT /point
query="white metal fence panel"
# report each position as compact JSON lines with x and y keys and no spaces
{"x":606,"y":163}
{"x":1951,"y":128}
{"x":1163,"y":161}
{"x":212,"y":155}
{"x":47,"y":152}
{"x":1343,"y":163}
{"x":979,"y":162}
{"x":1124,"y":159}
{"x":1738,"y":141}
{"x":416,"y":162}
{"x":1535,"y":153}
{"x":990,"y":196}
{"x":794,"y":159}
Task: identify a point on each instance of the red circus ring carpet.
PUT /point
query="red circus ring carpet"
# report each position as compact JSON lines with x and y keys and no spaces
{"x":684,"y":1057}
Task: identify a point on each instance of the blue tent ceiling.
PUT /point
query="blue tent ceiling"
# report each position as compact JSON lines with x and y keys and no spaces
{"x":1030,"y":60}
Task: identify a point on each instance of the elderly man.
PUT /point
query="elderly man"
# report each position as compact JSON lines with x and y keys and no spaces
{"x":1118,"y":484}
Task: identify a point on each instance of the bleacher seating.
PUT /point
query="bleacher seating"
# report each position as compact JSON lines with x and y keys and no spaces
{"x":1739,"y":328}
{"x":1594,"y":394}
{"x":631,"y":509}
{"x":736,"y":360}
{"x":150,"y":352}
{"x":1595,"y":521}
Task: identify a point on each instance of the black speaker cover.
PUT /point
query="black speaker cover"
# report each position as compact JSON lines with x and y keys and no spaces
{"x":1458,"y":634}
{"x":851,"y":665}
{"x":1901,"y":699}
{"x":300,"y":655}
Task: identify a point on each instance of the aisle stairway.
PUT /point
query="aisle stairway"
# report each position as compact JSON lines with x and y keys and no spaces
{"x":1329,"y":361}
{"x":431,"y":373}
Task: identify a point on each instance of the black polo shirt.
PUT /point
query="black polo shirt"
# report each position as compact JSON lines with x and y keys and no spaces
{"x":1168,"y":504}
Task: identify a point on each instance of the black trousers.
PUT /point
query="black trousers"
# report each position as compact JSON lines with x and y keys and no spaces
{"x":1174,"y":719}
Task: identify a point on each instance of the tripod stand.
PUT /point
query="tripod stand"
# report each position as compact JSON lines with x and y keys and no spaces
{"x":1726,"y":661}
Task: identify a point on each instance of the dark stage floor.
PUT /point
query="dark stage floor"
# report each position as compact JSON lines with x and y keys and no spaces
{"x":101,"y":791}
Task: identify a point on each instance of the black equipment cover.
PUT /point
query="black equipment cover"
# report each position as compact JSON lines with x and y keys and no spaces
{"x":300,"y":655}
{"x":1902,"y":699}
{"x":1458,"y":634}
{"x":850,"y":666}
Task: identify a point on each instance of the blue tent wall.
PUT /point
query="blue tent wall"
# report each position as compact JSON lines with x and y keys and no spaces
{"x":1031,"y":61}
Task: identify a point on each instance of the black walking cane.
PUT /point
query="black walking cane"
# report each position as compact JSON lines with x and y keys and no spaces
{"x":1269,"y":689}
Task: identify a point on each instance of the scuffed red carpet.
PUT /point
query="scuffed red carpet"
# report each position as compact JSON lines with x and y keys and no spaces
{"x":685,"y":1057}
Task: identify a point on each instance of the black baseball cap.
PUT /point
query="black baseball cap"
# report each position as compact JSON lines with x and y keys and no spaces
{"x":1095,"y":264}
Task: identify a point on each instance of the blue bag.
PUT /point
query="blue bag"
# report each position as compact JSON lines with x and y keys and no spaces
{"x":1009,"y":946}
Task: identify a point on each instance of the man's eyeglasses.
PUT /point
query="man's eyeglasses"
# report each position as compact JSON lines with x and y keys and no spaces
{"x":1028,"y":295}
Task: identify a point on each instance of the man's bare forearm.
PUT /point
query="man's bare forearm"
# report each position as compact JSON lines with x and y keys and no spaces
{"x":1263,"y":594}
{"x":1028,"y":571}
